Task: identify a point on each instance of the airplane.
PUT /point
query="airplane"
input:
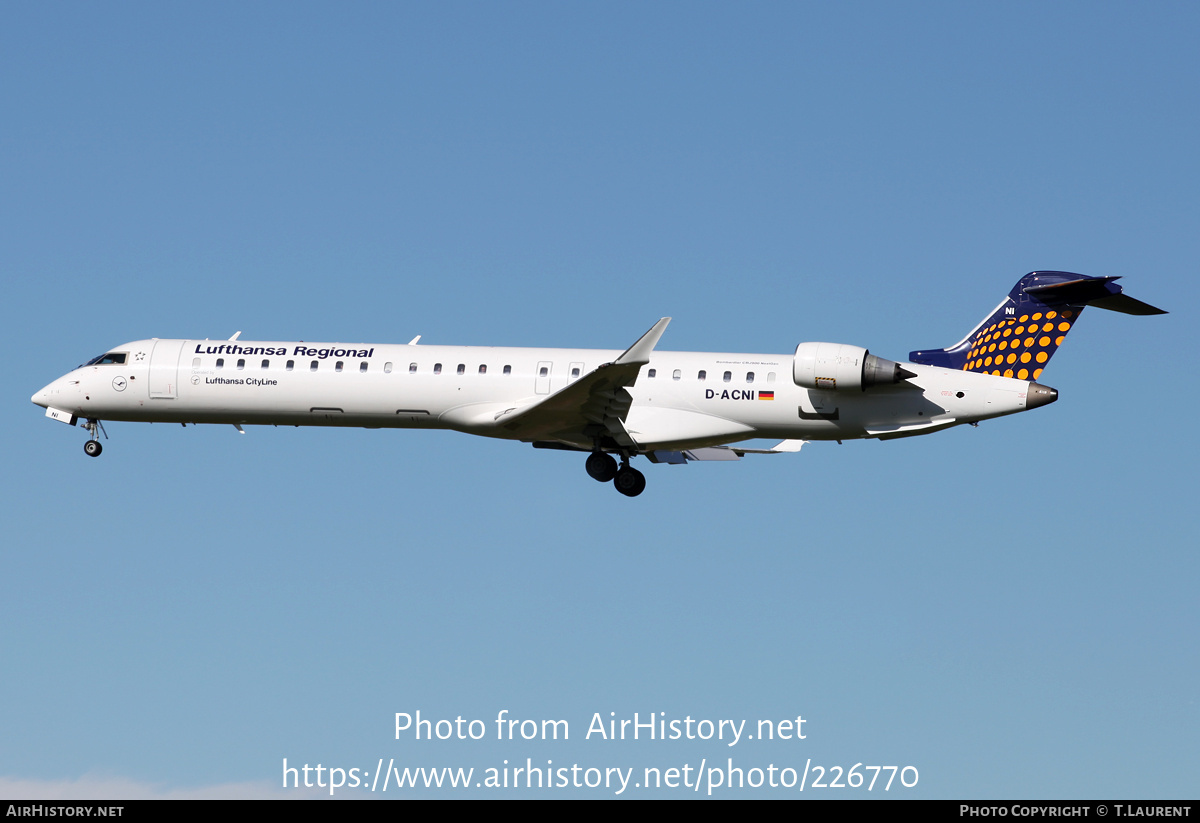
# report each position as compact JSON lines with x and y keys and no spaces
{"x":670,"y":407}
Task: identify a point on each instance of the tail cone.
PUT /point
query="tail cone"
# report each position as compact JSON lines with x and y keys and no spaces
{"x":1039,"y":395}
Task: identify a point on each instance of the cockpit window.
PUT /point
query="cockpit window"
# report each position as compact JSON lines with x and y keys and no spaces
{"x":110,"y":359}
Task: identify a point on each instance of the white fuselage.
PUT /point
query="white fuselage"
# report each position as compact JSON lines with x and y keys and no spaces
{"x":681,"y":400}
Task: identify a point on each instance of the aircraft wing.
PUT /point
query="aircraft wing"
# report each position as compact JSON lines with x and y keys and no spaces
{"x":594,"y":406}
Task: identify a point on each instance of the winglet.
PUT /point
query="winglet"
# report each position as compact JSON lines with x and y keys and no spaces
{"x":639,"y":353}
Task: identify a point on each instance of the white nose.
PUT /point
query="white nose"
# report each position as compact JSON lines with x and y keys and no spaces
{"x":56,"y":392}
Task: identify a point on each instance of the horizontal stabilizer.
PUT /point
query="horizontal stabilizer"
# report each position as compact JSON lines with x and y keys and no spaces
{"x":1078,"y":291}
{"x":1125,"y":304}
{"x":1091,"y":291}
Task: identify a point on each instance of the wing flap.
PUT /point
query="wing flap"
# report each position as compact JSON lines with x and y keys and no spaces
{"x":721,"y":453}
{"x":782,"y":447}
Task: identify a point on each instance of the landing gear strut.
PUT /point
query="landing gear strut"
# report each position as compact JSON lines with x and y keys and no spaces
{"x":92,"y":448}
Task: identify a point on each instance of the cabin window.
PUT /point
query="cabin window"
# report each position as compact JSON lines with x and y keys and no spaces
{"x":770,"y":377}
{"x":727,"y":376}
{"x":241,"y":363}
{"x":749,"y":377}
{"x":195,"y":362}
{"x":291,"y":364}
{"x":220,"y":362}
{"x":266,"y":364}
{"x":437,"y":368}
{"x":652,"y":372}
{"x":462,"y":368}
{"x":362,"y":367}
{"x":483,"y":369}
{"x":508,"y":369}
{"x":574,"y":372}
{"x":387,"y":367}
{"x":412,"y":368}
{"x":312,"y":366}
{"x":675,"y":375}
{"x":702,"y":375}
{"x":543,"y":371}
{"x":339,"y":365}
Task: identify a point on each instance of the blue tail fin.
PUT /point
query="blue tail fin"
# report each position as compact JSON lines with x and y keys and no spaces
{"x":1021,"y":335}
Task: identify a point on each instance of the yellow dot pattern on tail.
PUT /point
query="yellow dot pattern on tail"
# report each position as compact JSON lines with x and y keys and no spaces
{"x":1019,"y":346}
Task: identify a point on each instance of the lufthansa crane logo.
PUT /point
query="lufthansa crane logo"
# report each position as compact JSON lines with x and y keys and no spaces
{"x":119,"y":383}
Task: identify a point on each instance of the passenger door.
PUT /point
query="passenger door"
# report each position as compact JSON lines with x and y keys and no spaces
{"x":164,"y":369}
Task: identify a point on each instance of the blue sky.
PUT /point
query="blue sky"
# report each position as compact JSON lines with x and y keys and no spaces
{"x":1010,"y":609}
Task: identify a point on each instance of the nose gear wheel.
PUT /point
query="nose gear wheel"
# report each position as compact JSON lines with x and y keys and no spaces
{"x":92,"y":448}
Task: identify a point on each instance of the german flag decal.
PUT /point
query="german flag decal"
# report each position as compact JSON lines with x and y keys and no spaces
{"x":766,"y":395}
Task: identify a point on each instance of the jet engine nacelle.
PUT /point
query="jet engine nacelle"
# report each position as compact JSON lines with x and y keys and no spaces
{"x":840,"y":367}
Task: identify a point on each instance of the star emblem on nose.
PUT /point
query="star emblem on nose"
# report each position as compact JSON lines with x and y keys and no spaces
{"x":140,"y":356}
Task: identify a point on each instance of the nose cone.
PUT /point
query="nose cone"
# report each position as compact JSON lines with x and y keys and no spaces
{"x":63,"y":393}
{"x":42,"y":398}
{"x":1039,"y":395}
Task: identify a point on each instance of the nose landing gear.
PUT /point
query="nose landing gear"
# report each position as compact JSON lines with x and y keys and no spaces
{"x":92,"y":448}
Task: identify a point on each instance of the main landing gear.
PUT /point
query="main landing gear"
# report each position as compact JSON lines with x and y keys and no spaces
{"x":92,"y":448}
{"x":628,"y":480}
